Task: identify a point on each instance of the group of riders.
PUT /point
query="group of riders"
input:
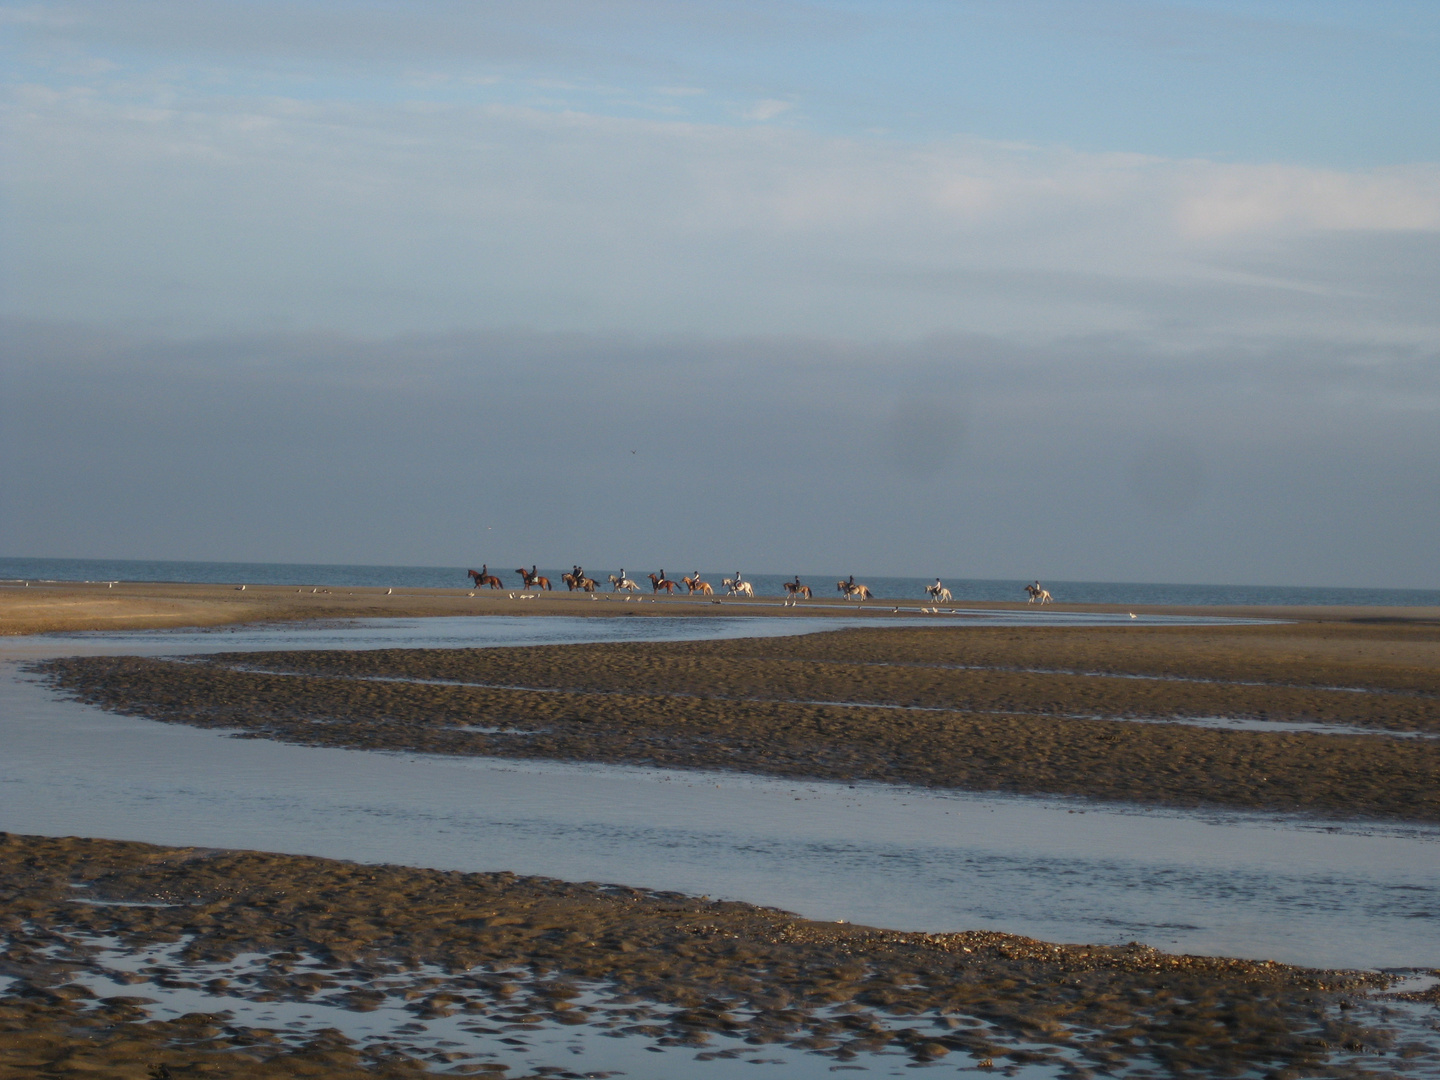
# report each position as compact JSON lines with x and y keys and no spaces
{"x":734,"y":586}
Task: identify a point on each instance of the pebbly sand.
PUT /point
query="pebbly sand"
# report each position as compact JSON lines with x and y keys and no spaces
{"x":514,"y":952}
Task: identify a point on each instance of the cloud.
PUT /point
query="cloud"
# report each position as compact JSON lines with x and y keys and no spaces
{"x":768,"y":109}
{"x":219,"y":213}
{"x":1310,"y":463}
{"x":1226,"y":201}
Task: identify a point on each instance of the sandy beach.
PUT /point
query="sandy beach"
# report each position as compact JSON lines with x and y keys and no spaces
{"x":55,"y":607}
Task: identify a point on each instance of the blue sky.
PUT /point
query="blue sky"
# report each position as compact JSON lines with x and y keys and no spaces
{"x":1315,"y":83}
{"x":1187,"y":253}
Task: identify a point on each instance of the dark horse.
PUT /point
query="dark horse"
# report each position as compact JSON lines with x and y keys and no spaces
{"x":483,"y":578}
{"x":657,"y":583}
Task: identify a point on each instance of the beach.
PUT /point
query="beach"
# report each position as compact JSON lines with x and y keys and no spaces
{"x":66,"y":607}
{"x":1319,"y":714}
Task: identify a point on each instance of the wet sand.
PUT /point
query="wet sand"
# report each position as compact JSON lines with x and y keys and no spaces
{"x":1029,"y":709}
{"x":55,"y":607}
{"x":1025,"y":711}
{"x":674,"y":969}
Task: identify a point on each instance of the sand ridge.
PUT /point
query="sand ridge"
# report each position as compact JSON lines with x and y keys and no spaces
{"x":959,"y":707}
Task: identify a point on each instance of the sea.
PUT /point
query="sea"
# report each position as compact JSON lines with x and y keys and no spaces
{"x":824,"y":584}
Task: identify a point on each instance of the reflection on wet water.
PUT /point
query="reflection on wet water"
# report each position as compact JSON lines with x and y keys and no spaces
{"x":1227,"y":884}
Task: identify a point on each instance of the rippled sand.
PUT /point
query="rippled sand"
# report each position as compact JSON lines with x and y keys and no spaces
{"x":966,"y":708}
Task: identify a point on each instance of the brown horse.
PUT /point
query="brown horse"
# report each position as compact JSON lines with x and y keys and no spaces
{"x":694,"y":584}
{"x":533,"y":580}
{"x":657,"y":583}
{"x":794,"y":590}
{"x":484,"y":579}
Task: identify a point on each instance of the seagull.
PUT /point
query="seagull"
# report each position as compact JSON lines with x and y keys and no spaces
{"x":1132,"y":615}
{"x":389,"y":591}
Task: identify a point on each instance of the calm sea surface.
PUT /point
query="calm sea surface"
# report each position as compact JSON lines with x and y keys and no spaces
{"x":963,"y":589}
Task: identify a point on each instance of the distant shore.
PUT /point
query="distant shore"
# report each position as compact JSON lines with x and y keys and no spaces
{"x":58,"y":607}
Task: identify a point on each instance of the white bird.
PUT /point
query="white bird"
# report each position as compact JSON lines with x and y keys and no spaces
{"x":1132,"y":615}
{"x":389,"y":591}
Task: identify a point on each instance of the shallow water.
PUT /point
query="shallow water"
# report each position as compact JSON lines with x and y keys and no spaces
{"x":611,"y":1041}
{"x":1228,"y":884}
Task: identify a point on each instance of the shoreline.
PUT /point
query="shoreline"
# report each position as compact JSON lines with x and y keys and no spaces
{"x":68,"y":607}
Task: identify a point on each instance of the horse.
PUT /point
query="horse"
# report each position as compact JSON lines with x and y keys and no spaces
{"x":483,"y":578}
{"x":794,"y":590}
{"x":694,"y":584}
{"x":858,"y":592}
{"x":583,"y":583}
{"x":938,"y":592}
{"x":618,"y":583}
{"x":657,"y":583}
{"x":734,"y":587}
{"x":1039,"y":595}
{"x":538,"y":581}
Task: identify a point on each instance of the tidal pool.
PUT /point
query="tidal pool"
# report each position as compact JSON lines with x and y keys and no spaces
{"x":1248,"y":885}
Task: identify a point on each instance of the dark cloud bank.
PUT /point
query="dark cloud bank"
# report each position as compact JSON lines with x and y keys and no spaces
{"x":1087,"y":459}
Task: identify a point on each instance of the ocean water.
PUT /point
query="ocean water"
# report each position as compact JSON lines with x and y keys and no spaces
{"x":884,"y":588}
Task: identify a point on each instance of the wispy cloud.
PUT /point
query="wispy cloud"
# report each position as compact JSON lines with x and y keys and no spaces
{"x":768,"y":109}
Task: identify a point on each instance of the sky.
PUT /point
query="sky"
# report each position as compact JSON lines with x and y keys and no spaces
{"x":1127,"y":291}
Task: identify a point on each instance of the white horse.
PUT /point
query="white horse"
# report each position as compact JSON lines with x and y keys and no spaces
{"x":1039,"y":595}
{"x":939,"y":593}
{"x":618,"y":583}
{"x":738,"y":588}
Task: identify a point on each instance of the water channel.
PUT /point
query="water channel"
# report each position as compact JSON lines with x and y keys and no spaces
{"x":1235,"y":884}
